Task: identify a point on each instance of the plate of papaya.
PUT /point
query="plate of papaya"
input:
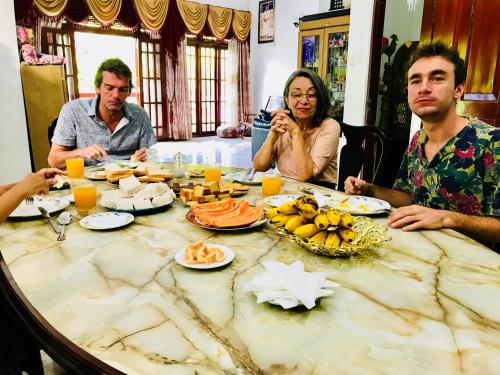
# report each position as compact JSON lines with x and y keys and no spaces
{"x":227,"y":215}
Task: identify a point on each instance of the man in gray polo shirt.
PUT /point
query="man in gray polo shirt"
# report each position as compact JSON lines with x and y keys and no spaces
{"x":103,"y":126}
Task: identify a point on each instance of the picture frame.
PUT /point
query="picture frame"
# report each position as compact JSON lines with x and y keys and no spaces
{"x":266,"y":21}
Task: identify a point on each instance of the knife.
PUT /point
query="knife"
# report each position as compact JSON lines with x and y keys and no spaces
{"x":46,"y":215}
{"x":248,"y":176}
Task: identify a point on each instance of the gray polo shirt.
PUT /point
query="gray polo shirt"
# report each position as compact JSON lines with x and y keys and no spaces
{"x":78,"y":126}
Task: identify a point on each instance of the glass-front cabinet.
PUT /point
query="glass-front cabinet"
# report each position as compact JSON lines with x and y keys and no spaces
{"x":323,"y":44}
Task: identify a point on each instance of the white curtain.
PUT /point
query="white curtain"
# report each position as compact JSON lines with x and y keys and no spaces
{"x":232,"y":114}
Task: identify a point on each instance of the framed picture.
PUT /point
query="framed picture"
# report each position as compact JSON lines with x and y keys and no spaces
{"x":266,"y":21}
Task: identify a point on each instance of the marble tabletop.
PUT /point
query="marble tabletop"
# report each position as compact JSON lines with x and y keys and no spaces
{"x":423,"y":303}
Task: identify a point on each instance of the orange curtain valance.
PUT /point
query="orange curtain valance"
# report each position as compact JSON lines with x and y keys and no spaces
{"x":219,"y":21}
{"x":241,"y":24}
{"x":105,"y":11}
{"x":152,"y":13}
{"x":193,"y":14}
{"x":51,"y":8}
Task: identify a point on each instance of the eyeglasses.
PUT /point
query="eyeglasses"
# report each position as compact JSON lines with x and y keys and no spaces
{"x":296,"y":96}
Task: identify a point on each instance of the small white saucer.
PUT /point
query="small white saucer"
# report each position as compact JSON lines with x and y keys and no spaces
{"x":107,"y":220}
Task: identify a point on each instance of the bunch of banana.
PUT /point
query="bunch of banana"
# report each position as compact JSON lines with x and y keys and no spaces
{"x":302,"y":217}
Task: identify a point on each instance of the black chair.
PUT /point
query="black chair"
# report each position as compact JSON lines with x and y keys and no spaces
{"x":50,"y":130}
{"x":352,"y":154}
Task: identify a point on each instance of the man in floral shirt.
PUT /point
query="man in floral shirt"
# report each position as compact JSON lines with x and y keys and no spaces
{"x":450,"y":174}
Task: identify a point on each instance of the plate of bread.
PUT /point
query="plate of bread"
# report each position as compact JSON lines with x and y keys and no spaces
{"x":143,"y":172}
{"x":138,"y":198}
{"x":204,"y":256}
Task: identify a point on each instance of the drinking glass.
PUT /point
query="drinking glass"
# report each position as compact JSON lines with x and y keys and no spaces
{"x":212,"y":174}
{"x":271,"y":184}
{"x":74,"y":168}
{"x":85,"y":197}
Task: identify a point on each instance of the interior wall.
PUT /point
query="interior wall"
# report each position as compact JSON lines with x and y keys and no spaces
{"x":14,"y":148}
{"x":272,"y":63}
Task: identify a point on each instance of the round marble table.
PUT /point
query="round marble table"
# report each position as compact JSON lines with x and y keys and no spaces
{"x":424,"y":303}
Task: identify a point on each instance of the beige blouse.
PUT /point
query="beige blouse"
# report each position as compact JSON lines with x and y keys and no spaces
{"x":321,"y":143}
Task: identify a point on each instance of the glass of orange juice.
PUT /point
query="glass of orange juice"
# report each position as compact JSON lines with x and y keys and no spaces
{"x":85,"y":197}
{"x":271,"y":184}
{"x":212,"y":174}
{"x":74,"y":167}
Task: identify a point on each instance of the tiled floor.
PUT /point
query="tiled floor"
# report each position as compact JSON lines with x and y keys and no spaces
{"x":233,"y":152}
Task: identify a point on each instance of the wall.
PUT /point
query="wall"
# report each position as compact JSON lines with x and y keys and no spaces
{"x":14,"y":149}
{"x":272,"y":63}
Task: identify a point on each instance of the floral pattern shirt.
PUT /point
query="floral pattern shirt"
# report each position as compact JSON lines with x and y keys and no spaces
{"x":464,"y":176}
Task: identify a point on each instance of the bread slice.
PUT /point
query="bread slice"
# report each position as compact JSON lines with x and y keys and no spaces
{"x":142,"y":204}
{"x":151,"y":179}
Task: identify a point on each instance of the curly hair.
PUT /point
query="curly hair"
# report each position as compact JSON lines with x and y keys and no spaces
{"x":441,"y":49}
{"x":323,"y":107}
{"x":116,"y":66}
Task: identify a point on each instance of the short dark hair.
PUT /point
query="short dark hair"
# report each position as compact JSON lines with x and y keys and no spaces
{"x":323,"y":106}
{"x":116,"y":66}
{"x":441,"y":49}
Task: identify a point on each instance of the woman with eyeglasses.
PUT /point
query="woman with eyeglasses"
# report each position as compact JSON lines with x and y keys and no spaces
{"x":303,"y":139}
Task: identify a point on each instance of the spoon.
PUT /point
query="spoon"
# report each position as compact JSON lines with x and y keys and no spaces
{"x":63,"y":219}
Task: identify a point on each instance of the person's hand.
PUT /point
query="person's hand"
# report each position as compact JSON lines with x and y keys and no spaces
{"x":49,"y":174}
{"x":285,"y":123}
{"x":416,"y":217}
{"x":93,"y":152}
{"x":139,"y":155}
{"x":353,"y":185}
{"x":33,"y":184}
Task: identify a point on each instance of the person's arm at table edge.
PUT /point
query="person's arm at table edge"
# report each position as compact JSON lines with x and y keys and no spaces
{"x":482,"y":227}
{"x":396,"y":198}
{"x":58,"y":154}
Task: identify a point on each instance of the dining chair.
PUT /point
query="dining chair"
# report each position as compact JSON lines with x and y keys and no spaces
{"x":352,"y":154}
{"x":50,"y":130}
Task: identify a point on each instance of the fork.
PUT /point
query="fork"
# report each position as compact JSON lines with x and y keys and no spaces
{"x":29,"y":201}
{"x":46,"y":215}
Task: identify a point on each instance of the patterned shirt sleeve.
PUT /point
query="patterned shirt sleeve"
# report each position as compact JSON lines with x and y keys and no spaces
{"x":491,"y":182}
{"x":65,"y":132}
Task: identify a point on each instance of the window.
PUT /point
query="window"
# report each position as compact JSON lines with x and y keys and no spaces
{"x":206,"y":61}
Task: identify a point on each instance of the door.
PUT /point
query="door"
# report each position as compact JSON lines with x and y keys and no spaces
{"x":335,"y":67}
{"x":152,"y":97}
{"x":310,"y":54}
{"x":472,"y":27}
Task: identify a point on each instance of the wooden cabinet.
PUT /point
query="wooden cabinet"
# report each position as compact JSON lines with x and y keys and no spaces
{"x":323,"y":44}
{"x":45,"y":92}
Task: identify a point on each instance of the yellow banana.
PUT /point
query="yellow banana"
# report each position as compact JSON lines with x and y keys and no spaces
{"x":346,"y":234}
{"x":272,"y":212}
{"x":306,"y":230}
{"x":307,"y":210}
{"x":287,"y":208}
{"x":321,"y":221}
{"x":280,"y":220}
{"x":346,"y":220}
{"x":344,"y":243}
{"x":306,"y":200}
{"x":319,"y":237}
{"x":295,"y":222}
{"x":333,"y":217}
{"x":333,"y":240}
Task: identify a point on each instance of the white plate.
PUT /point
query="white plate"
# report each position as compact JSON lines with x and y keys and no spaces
{"x":95,"y":175}
{"x":228,"y":258}
{"x":107,"y":220}
{"x":239,"y":177}
{"x":51,"y":204}
{"x":359,"y":205}
{"x":278,"y":200}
